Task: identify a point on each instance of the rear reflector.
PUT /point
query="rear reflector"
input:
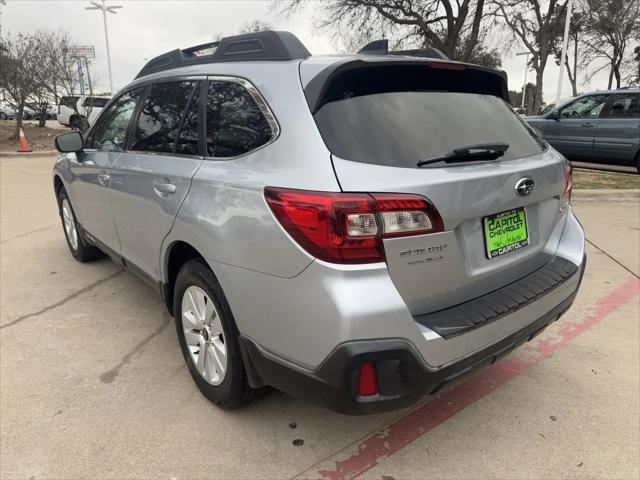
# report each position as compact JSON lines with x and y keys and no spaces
{"x":367,"y":381}
{"x":349,"y":228}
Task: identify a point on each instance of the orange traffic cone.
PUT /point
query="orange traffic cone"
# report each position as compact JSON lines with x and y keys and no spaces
{"x":24,"y":146}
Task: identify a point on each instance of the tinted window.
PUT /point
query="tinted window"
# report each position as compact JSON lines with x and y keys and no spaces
{"x":400,"y":128}
{"x":625,"y":106}
{"x":95,"y":102}
{"x":159,"y":122}
{"x":188,"y":138}
{"x":111,"y":129}
{"x":235,"y":124}
{"x":586,"y":107}
{"x":69,"y":101}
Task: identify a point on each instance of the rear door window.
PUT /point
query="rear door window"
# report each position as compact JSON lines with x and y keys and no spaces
{"x":189,"y":132}
{"x":161,"y":115}
{"x":235,"y":124}
{"x":624,"y":106}
{"x":384,"y":118}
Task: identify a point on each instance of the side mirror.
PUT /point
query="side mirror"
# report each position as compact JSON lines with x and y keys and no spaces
{"x":69,"y":142}
{"x":554,"y":115}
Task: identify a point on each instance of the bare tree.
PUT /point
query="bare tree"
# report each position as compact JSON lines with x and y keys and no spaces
{"x":612,"y":27}
{"x":454,"y":27}
{"x":538,"y":27}
{"x":60,"y":75}
{"x":635,"y":74}
{"x":255,"y":26}
{"x":20,"y":72}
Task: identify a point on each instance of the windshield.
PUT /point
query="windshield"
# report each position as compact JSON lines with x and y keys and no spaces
{"x":400,"y":128}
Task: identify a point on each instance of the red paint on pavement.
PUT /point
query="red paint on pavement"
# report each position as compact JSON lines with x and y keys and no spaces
{"x":400,"y":433}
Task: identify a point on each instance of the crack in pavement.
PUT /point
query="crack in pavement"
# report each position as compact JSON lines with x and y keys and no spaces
{"x":61,"y":302}
{"x":110,"y":375}
{"x":48,"y":227}
{"x":612,"y":258}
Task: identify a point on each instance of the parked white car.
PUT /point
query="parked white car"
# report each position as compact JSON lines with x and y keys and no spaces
{"x":86,"y":106}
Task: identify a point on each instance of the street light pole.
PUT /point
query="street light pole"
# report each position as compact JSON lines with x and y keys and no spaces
{"x":565,"y":44}
{"x":102,"y":6}
{"x":526,"y":69}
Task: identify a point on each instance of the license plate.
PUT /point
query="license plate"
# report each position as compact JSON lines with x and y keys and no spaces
{"x":505,"y":232}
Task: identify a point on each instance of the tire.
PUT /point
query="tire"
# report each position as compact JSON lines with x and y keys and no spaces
{"x":219,"y":373}
{"x":638,"y":162}
{"x":79,"y":248}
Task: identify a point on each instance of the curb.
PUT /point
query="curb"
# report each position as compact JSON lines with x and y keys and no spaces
{"x":41,"y":153}
{"x":605,"y":195}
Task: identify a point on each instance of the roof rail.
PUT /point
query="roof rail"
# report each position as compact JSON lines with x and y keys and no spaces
{"x":266,"y":46}
{"x":381,"y":47}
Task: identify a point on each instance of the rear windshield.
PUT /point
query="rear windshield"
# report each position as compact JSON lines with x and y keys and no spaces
{"x":397,"y":126}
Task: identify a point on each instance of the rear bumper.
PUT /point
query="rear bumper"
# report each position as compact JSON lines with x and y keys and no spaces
{"x":403,"y":376}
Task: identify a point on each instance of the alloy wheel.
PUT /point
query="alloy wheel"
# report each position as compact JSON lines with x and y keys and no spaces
{"x":204,"y":335}
{"x":69,"y":224}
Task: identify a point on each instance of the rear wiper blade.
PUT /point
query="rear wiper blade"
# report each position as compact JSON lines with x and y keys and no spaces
{"x":484,"y":151}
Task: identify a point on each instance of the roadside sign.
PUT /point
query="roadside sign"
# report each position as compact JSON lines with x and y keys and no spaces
{"x":86,"y":51}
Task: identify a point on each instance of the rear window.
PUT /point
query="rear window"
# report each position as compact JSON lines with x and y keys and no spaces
{"x":397,"y":120}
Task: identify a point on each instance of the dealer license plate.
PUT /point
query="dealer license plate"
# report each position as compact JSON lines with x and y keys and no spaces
{"x":505,"y":232}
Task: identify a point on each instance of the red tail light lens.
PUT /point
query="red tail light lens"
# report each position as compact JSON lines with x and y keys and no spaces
{"x":320,"y":222}
{"x":348,"y":228}
{"x":367,"y":380}
{"x":568,"y":180}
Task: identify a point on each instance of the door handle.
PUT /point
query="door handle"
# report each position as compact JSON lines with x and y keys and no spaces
{"x":587,"y":125}
{"x":103,"y":179}
{"x":162,"y":187}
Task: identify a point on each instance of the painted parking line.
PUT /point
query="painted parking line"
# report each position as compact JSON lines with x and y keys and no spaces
{"x":403,"y":431}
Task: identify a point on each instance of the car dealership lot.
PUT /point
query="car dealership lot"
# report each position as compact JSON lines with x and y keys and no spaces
{"x":93,"y":384}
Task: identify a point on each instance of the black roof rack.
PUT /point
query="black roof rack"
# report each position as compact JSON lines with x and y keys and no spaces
{"x":267,"y":46}
{"x":381,"y":47}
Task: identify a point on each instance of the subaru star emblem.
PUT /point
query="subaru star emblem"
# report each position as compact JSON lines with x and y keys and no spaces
{"x":525,"y":187}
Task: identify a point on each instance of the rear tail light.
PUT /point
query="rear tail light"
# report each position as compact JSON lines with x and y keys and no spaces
{"x":349,"y":227}
{"x":568,"y":180}
{"x":404,"y":215}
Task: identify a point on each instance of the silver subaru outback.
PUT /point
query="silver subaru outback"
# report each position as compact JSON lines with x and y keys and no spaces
{"x":354,"y":230}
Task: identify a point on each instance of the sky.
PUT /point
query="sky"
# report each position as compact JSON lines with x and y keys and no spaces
{"x":143,"y":29}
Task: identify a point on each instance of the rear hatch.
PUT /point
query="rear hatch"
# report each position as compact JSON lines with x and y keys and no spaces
{"x":379,"y":119}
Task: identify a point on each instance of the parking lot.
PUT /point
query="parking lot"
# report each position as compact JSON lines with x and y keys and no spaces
{"x":93,"y":384}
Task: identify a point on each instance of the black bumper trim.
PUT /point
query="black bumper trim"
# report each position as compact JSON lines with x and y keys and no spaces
{"x":403,"y":378}
{"x":491,"y":307}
